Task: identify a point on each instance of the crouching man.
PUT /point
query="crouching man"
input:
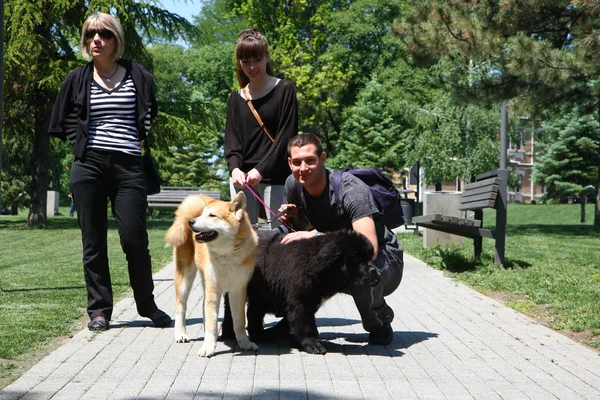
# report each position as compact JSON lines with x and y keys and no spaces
{"x":314,"y":199}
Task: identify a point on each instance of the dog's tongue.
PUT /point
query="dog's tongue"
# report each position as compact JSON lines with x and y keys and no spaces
{"x":204,"y":237}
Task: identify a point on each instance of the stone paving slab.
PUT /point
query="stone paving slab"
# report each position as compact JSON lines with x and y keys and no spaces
{"x":451,"y":342}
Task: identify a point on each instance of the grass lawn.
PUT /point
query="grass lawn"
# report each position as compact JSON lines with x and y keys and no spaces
{"x":553,"y":267}
{"x":42,"y":289}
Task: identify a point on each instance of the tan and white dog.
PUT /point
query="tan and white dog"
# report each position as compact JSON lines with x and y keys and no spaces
{"x":215,"y":237}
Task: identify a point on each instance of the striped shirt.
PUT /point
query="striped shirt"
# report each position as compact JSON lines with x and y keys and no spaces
{"x":112,"y":119}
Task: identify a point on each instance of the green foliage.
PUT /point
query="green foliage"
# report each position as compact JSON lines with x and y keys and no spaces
{"x":188,"y":166}
{"x":455,"y":141}
{"x":369,"y":135}
{"x":16,"y":160}
{"x":569,"y":152}
{"x":193,"y":85}
{"x":542,"y":49}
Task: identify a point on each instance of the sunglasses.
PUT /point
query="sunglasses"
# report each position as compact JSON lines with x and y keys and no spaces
{"x":104,"y":34}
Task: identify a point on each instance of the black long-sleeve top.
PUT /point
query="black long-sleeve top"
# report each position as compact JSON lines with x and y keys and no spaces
{"x":247,"y":146}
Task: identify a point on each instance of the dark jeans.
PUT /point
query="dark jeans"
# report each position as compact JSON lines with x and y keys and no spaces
{"x":119,"y":177}
{"x":369,"y":300}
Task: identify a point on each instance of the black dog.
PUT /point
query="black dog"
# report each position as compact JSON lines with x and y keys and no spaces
{"x":293,"y":280}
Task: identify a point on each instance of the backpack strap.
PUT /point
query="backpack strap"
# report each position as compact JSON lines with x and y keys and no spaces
{"x":336,"y":181}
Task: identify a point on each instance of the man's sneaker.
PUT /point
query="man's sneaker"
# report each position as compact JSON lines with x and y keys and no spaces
{"x":382,"y":336}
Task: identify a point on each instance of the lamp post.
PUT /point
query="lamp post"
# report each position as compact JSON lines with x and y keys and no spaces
{"x":503,"y":134}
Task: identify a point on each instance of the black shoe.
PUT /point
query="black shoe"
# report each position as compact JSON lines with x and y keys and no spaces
{"x":382,"y":336}
{"x":98,"y":324}
{"x":160,"y":318}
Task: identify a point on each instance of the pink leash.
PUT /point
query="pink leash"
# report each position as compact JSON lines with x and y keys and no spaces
{"x":260,"y":200}
{"x":275,"y":216}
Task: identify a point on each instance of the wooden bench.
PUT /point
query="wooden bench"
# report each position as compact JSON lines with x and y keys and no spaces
{"x":487,"y":191}
{"x":170,"y":196}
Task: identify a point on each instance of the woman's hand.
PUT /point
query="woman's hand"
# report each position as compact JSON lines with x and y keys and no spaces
{"x":253,"y":177}
{"x":238,"y":178}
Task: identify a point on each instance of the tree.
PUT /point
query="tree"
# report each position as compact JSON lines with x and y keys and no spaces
{"x":191,"y":120}
{"x":544,"y":50}
{"x":369,"y":135}
{"x":453,"y":140}
{"x":194,"y":83}
{"x":41,"y":39}
{"x":568,"y":160}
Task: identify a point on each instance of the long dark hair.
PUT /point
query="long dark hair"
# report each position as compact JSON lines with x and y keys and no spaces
{"x":251,"y":44}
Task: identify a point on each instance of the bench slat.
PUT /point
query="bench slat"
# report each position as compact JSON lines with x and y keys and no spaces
{"x":472,"y":199}
{"x":171,"y":196}
{"x":461,"y":230}
{"x":171,"y":206}
{"x":477,"y":205}
{"x":485,"y":182}
{"x":485,"y":189}
{"x":446,"y":218}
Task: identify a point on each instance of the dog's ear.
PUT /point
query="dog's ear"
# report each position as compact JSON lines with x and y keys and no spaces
{"x":238,"y":205}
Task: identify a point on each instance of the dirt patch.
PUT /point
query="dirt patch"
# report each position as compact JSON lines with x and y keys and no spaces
{"x":589,"y":338}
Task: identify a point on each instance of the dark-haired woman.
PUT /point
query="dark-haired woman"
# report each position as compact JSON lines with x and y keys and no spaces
{"x":105,"y":109}
{"x":255,"y":158}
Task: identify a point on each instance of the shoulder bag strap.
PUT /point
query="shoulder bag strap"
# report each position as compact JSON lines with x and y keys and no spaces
{"x":249,"y":102}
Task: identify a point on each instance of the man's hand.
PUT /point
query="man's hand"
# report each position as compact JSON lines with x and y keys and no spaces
{"x":253,"y":178}
{"x":292,"y":211}
{"x":238,"y":178}
{"x":290,"y":237}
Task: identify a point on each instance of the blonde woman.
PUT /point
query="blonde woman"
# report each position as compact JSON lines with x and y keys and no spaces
{"x":252,"y":157}
{"x":105,"y":108}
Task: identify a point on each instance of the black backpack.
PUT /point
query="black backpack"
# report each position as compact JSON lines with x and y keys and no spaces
{"x":385,"y":194}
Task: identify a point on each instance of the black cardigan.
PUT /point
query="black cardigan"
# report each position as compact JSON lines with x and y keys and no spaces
{"x":76,"y":92}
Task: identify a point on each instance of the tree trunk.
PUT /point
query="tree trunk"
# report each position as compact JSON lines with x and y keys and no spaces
{"x":336,"y":126}
{"x":39,"y":167}
{"x":583,"y":202}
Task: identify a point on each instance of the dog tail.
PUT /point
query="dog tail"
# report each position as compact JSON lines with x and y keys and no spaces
{"x":179,"y":233}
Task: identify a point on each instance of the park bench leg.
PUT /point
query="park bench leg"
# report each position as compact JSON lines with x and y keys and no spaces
{"x":499,"y":260}
{"x":478,"y":241}
{"x":478,"y":245}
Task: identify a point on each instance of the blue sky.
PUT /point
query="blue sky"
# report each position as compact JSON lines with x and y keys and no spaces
{"x":186,"y":9}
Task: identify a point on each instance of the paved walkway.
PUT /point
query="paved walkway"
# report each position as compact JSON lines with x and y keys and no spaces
{"x":450,"y":342}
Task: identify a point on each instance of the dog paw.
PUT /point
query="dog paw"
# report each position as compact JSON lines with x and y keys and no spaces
{"x":206,"y":351}
{"x":314,"y":348}
{"x":249,"y":346}
{"x":181,"y":337}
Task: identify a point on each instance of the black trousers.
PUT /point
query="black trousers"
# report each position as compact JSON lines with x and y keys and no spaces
{"x":373,"y":309}
{"x":101,"y":176}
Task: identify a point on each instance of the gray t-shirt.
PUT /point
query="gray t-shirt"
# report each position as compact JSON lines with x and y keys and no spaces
{"x":325,"y":215}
